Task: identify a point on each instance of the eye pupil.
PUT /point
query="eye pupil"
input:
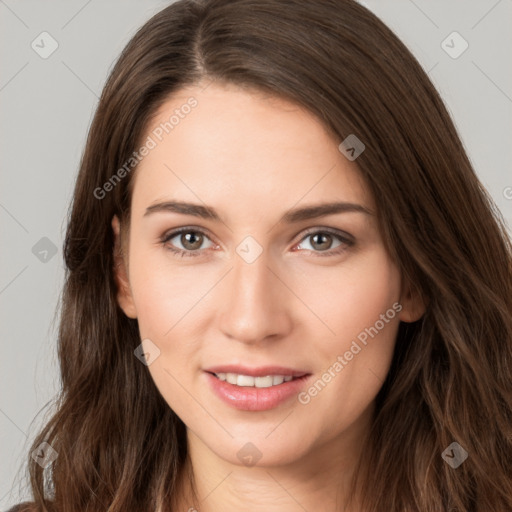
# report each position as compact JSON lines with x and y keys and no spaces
{"x":195,"y":239}
{"x":321,"y":245}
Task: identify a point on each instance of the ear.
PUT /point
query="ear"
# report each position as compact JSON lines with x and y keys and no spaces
{"x":413,"y":305}
{"x":124,"y":292}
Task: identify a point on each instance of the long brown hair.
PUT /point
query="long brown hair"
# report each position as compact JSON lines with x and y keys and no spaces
{"x":120,"y":446}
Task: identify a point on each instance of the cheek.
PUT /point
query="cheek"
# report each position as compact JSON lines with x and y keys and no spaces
{"x":167,"y":300}
{"x":362,"y":308}
{"x":164,"y":294}
{"x":170,"y":303}
{"x":360,"y":305}
{"x":353,"y":297}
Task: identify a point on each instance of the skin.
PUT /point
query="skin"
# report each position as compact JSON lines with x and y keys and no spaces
{"x":291,"y":307}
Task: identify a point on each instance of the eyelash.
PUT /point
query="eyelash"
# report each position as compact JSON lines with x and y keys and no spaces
{"x":180,"y":252}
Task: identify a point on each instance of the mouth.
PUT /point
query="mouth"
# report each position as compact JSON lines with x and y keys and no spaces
{"x":255,"y":389}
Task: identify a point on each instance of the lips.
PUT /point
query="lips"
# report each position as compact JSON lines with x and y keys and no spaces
{"x":252,"y":398}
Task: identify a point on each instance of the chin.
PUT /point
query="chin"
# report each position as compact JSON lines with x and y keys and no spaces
{"x":260,"y":451}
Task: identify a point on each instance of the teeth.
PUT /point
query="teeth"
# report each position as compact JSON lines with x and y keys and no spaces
{"x":248,"y":381}
{"x":231,"y":378}
{"x":277,"y":379}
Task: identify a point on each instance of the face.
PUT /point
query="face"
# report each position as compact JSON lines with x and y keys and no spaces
{"x":229,"y":269}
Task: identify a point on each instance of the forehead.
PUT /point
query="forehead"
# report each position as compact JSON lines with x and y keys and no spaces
{"x":237,"y":144}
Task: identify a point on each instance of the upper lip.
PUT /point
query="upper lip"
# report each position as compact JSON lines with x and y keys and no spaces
{"x":260,"y":371}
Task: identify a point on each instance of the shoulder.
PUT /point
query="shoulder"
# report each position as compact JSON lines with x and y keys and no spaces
{"x":26,"y":506}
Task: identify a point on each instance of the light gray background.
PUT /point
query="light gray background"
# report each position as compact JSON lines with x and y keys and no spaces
{"x":47,"y":106}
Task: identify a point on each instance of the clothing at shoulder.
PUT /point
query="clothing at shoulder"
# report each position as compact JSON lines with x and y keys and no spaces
{"x":26,"y":506}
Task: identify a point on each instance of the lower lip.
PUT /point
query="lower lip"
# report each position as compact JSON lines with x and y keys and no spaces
{"x":248,"y":398}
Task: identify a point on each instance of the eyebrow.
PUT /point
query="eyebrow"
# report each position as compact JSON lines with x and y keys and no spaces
{"x":291,"y":216}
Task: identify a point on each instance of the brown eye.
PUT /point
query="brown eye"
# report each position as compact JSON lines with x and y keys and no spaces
{"x":186,"y":241}
{"x":321,"y":241}
{"x":191,"y":240}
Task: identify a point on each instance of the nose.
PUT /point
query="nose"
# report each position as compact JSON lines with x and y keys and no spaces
{"x":254,"y":304}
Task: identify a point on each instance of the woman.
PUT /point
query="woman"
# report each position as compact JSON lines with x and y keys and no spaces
{"x":286,"y":287}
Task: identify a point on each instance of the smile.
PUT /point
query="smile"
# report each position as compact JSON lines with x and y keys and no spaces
{"x":255,"y":393}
